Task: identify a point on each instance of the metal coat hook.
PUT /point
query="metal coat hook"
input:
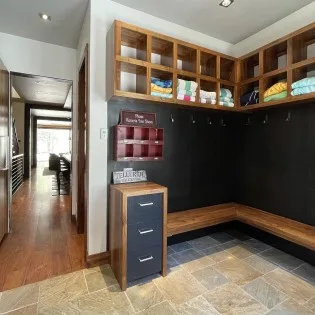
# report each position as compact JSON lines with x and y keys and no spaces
{"x":209,"y":121}
{"x":248,"y":121}
{"x":172,"y":119}
{"x":266,"y":120}
{"x":288,"y":119}
{"x":223,"y":123}
{"x":193,"y":121}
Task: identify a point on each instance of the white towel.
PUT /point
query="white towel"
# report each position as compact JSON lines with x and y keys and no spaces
{"x":187,"y":85}
{"x":228,"y":104}
{"x":206,"y":94}
{"x":184,"y":92}
{"x":186,"y":98}
{"x":208,"y":101}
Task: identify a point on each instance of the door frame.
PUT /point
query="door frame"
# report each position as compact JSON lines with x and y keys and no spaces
{"x":82,"y":141}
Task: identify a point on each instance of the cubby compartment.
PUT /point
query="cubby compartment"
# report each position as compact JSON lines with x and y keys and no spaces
{"x":247,"y":95}
{"x":162,"y":52}
{"x":131,"y":78}
{"x":156,"y":135}
{"x":140,"y":150}
{"x":156,"y":152}
{"x":164,"y":76}
{"x":275,"y":57}
{"x":228,"y":99}
{"x":133,"y":44}
{"x":208,"y":64}
{"x":186,"y":58}
{"x":141,"y":133}
{"x":124,"y":152}
{"x":304,"y":46}
{"x":208,"y":86}
{"x":302,"y":73}
{"x":227,"y":69}
{"x":250,"y":67}
{"x":193,"y":96}
{"x":124,"y":133}
{"x":271,"y":80}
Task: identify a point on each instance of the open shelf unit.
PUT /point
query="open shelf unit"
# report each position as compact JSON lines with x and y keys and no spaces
{"x":132,"y":143}
{"x":140,"y":54}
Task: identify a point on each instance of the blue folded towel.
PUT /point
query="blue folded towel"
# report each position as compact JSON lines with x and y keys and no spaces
{"x":162,"y":83}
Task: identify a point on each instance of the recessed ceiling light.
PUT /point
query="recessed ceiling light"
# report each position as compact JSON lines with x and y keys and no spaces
{"x":226,"y":3}
{"x":44,"y":16}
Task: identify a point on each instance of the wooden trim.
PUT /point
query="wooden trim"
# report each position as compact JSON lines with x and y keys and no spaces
{"x":73,"y":219}
{"x":98,"y":259}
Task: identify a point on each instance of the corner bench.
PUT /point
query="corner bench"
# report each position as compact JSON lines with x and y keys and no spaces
{"x":194,"y":219}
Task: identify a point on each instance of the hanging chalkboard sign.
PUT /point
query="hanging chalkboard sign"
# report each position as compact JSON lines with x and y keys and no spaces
{"x":142,"y":119}
{"x":128,"y":175}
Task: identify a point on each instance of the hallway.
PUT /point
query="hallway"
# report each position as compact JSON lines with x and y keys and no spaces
{"x":43,"y":242}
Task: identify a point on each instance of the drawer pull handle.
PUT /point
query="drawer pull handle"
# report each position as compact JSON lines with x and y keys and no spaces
{"x":145,"y":231}
{"x":146,"y":204}
{"x":145,"y":258}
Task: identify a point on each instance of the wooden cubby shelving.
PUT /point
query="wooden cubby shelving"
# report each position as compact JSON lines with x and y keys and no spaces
{"x":140,"y":54}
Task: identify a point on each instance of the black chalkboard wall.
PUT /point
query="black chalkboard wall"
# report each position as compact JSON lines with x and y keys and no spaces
{"x":270,"y":166}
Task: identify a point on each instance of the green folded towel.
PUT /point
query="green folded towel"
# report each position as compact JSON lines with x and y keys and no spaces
{"x":276,"y":97}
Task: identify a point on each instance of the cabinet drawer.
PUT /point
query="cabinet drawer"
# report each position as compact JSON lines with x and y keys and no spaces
{"x":143,"y":263}
{"x":144,"y":207}
{"x":144,"y":235}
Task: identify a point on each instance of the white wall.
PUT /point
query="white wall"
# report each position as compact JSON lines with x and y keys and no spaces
{"x":18,"y":114}
{"x":103,"y":14}
{"x":287,"y":25}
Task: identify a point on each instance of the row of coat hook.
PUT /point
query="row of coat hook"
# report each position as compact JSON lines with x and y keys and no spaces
{"x":266,"y":119}
{"x":193,"y":120}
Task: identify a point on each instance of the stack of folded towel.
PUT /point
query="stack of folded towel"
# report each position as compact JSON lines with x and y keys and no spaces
{"x":250,"y":98}
{"x":161,"y":88}
{"x":186,"y":90}
{"x":226,"y":98}
{"x":276,"y":92}
{"x":303,"y":86}
{"x":208,"y":97}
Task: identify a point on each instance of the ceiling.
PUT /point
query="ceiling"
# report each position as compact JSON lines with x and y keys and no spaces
{"x":241,"y":20}
{"x":51,"y":113}
{"x":20,"y":17}
{"x":43,"y":90}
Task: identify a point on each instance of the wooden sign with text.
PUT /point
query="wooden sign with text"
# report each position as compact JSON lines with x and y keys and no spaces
{"x":142,"y":119}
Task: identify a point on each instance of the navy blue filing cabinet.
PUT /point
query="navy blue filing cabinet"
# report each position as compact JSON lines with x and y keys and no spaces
{"x":138,"y":231}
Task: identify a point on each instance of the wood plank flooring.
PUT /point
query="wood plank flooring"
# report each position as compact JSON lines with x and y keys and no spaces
{"x":43,"y":242}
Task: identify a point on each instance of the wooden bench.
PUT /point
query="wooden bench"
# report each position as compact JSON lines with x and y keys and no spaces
{"x":293,"y":231}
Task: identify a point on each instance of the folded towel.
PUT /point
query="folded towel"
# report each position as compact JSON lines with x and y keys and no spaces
{"x":226,"y":99}
{"x":208,"y":101}
{"x":164,"y":95}
{"x":156,"y":88}
{"x":276,"y":89}
{"x":304,"y":82}
{"x":206,"y":94}
{"x":162,"y":83}
{"x":225,"y":93}
{"x":303,"y":90}
{"x":276,"y":97}
{"x":250,"y":98}
{"x":186,"y":98}
{"x":187,"y":85}
{"x":186,"y":92}
{"x":228,"y":104}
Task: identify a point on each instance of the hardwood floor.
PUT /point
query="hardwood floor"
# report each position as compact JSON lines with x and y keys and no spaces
{"x":43,"y":242}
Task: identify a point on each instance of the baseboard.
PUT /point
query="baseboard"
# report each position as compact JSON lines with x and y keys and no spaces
{"x":98,"y":259}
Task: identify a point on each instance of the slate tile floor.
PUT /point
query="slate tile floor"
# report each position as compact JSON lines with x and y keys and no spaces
{"x":223,"y":273}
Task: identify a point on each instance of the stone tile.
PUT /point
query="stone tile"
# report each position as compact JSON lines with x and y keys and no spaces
{"x":94,"y":269}
{"x":210,"y":278}
{"x":179,"y":287}
{"x":307,"y":272}
{"x":203,"y":242}
{"x":290,"y":307}
{"x":61,"y":289}
{"x":240,"y":251}
{"x":281,"y":258}
{"x":239,"y":235}
{"x":144,"y":296}
{"x":231,"y":244}
{"x":291,"y":285}
{"x":260,"y":264}
{"x":171,"y":262}
{"x":256,"y":246}
{"x":28,"y":310}
{"x":265,"y":293}
{"x":196,"y":306}
{"x":232,"y":300}
{"x":108,"y":301}
{"x":164,"y":308}
{"x":100,"y":280}
{"x":180,"y":247}
{"x":311,"y":305}
{"x":217,"y":253}
{"x":19,"y":297}
{"x":237,"y":271}
{"x":170,"y":250}
{"x":192,"y":260}
{"x":222,"y":237}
